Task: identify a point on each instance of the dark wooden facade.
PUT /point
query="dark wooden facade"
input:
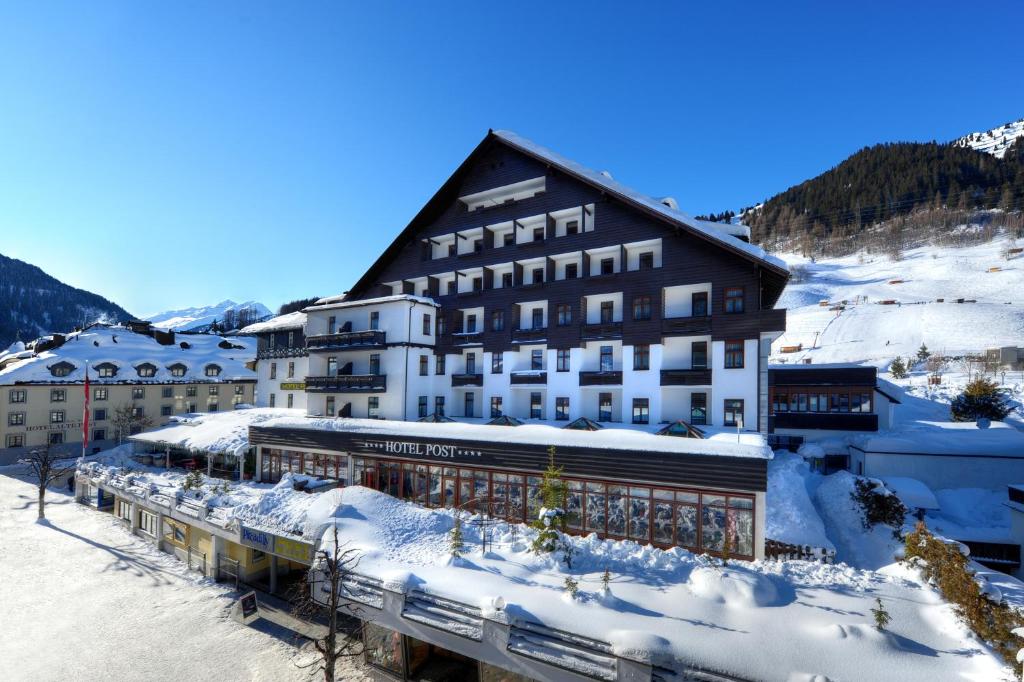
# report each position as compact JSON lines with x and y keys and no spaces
{"x":688,"y":257}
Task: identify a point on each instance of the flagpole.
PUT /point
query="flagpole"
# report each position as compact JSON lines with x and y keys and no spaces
{"x":85,"y":413}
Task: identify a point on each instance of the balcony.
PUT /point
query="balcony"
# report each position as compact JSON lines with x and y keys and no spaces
{"x":371,"y":338}
{"x":686,"y":325}
{"x":686,"y":377}
{"x":529,"y":377}
{"x":601,"y":331}
{"x":608,"y":378}
{"x":348,"y":383}
{"x":467,"y":338}
{"x":529,"y":335}
{"x":284,"y":352}
{"x":467,"y":380}
{"x":828,"y":421}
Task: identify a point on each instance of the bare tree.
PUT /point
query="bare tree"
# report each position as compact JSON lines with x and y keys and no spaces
{"x":126,"y":419}
{"x":323,"y":590}
{"x":44,"y":465}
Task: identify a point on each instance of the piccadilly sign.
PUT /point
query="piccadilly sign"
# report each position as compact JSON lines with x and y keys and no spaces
{"x":438,"y":450}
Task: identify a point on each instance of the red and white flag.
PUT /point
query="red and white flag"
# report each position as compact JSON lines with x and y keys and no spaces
{"x":85,"y":414}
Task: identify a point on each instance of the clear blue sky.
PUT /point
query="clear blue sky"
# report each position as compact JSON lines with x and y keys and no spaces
{"x":179,"y":153}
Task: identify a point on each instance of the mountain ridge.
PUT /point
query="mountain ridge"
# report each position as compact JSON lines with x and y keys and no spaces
{"x":34,"y":303}
{"x":233,"y":313}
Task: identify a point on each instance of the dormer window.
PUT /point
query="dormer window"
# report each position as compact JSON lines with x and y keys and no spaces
{"x":146,"y":370}
{"x":178,"y":370}
{"x":62,"y":369}
{"x":572,"y":227}
{"x":106,"y":370}
{"x":212,"y":371}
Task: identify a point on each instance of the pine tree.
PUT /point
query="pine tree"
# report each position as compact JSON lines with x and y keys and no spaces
{"x":606,"y":581}
{"x":923,"y":353}
{"x":981,"y":398}
{"x":551,"y":523}
{"x":572,"y":587}
{"x":882,"y":617}
{"x":898,"y":369}
{"x":456,"y":545}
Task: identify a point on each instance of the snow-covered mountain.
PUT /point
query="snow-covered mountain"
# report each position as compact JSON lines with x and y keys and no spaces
{"x":234,"y":314}
{"x":995,"y":141}
{"x":33,"y":303}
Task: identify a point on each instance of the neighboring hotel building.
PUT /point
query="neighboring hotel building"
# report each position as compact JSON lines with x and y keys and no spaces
{"x":282,"y":361}
{"x":532,"y":287}
{"x":157,"y":373}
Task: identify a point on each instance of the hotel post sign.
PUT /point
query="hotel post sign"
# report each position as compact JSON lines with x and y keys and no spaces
{"x":403,"y":448}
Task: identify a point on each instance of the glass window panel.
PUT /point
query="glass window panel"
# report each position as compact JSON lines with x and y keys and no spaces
{"x":686,"y":526}
{"x":663,"y":494}
{"x":595,"y":487}
{"x":663,"y":523}
{"x":640,"y":492}
{"x":616,"y":515}
{"x":741,"y":530}
{"x":713,"y":527}
{"x":741,"y":503}
{"x":383,"y":647}
{"x":639,"y":518}
{"x":688,"y":497}
{"x":574,"y":509}
{"x":595,"y":512}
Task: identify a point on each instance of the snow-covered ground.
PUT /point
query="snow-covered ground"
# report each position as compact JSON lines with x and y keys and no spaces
{"x":814,"y":618}
{"x":82,"y":599}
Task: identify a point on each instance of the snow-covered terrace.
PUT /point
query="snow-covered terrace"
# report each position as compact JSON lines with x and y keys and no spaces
{"x":213,"y":432}
{"x":725,"y":442}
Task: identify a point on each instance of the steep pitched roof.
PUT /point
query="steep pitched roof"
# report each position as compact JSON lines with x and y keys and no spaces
{"x":647,"y":204}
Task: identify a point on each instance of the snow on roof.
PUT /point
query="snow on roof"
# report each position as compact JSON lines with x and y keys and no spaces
{"x":723,"y":443}
{"x":709,"y":229}
{"x":339,"y":301}
{"x":759,"y":621}
{"x":947,"y":438}
{"x":912,"y":492}
{"x":295,"y":320}
{"x":222,"y":432}
{"x":98,"y":345}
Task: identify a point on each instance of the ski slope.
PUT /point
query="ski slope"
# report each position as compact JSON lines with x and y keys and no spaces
{"x":869,"y":332}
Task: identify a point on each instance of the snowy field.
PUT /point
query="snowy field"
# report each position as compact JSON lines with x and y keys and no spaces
{"x":85,"y":600}
{"x":870,"y":332}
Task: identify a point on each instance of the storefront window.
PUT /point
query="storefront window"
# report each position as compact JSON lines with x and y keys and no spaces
{"x":692,"y":520}
{"x":383,"y":648}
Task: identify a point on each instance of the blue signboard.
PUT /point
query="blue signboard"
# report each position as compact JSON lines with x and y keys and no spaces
{"x":258,"y":539}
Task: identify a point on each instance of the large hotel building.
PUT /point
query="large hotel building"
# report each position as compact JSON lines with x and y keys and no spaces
{"x":532,"y":287}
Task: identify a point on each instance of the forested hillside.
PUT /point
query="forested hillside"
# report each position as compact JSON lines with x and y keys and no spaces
{"x":34,"y":303}
{"x":885,"y":181}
